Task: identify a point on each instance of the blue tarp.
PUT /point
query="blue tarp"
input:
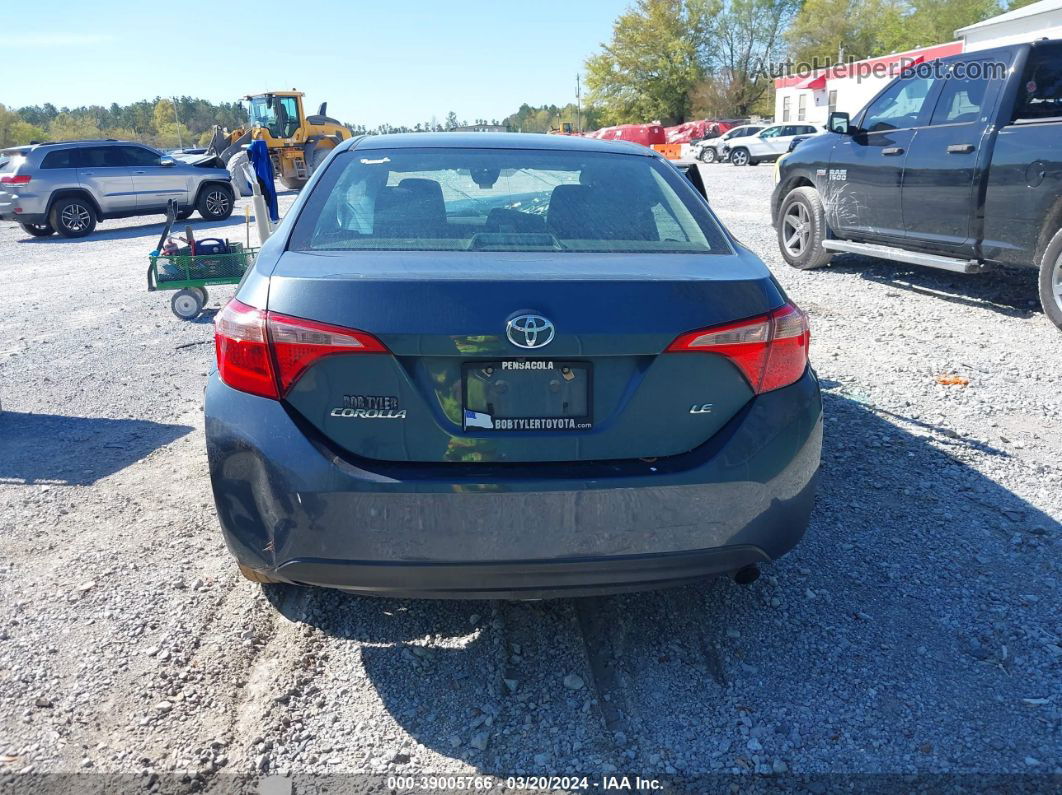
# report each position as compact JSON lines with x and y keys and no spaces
{"x":258,"y":152}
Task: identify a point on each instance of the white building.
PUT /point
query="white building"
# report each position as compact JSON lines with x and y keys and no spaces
{"x":848,"y":87}
{"x":1034,"y":21}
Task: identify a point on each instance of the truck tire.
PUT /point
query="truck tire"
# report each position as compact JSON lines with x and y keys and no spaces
{"x":1051,"y":280}
{"x":215,"y":202}
{"x":802,"y":228}
{"x":740,"y":156}
{"x":293,"y":183}
{"x":317,"y":157}
{"x":73,"y":217}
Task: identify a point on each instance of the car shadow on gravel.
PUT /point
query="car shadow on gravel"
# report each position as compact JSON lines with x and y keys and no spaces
{"x":1008,"y":291}
{"x":905,"y":633}
{"x":56,"y":449}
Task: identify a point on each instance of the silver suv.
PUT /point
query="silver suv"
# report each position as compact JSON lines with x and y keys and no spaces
{"x":67,"y":187}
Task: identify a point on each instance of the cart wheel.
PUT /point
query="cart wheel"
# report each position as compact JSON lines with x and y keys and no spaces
{"x":186,"y":304}
{"x":203,"y":292}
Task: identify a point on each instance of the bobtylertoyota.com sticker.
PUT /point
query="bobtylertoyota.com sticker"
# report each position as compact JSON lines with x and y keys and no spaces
{"x":370,"y":407}
{"x":477,"y":419}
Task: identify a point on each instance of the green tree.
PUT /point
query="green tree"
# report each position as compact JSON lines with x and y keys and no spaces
{"x":69,"y":126}
{"x":451,"y":121}
{"x":747,"y":39}
{"x":934,"y":21}
{"x":825,"y":31}
{"x":655,"y":57}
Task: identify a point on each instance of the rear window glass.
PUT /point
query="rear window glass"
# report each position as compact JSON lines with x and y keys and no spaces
{"x":61,"y":158}
{"x":450,"y":199}
{"x":9,"y":163}
{"x":1040,"y":94}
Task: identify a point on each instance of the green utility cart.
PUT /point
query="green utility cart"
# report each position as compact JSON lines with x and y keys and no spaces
{"x":191,"y":268}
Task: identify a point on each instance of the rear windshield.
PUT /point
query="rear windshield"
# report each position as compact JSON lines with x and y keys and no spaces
{"x":1040,"y":95}
{"x":503,"y":200}
{"x":9,"y":163}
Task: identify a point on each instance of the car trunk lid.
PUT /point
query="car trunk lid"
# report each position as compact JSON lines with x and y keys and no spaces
{"x":453,"y":386}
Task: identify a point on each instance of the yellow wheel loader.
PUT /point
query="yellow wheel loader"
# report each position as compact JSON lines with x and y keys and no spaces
{"x":297,"y":143}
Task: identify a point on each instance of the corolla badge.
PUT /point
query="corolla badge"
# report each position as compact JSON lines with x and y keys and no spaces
{"x":530,"y":331}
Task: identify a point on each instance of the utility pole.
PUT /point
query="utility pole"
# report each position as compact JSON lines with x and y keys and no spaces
{"x":578,"y":104}
{"x":180,"y":143}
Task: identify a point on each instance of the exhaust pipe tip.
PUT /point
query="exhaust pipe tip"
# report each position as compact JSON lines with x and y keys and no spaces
{"x":747,"y":575}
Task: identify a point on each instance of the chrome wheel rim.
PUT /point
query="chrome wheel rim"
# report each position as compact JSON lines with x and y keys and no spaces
{"x":185,"y":305}
{"x":1056,"y":283}
{"x":75,"y":217}
{"x":708,"y":155}
{"x":739,"y":158}
{"x":217,"y":202}
{"x":796,"y":229}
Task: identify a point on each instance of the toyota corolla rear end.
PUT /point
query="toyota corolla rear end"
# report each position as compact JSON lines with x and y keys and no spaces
{"x":508,"y":366}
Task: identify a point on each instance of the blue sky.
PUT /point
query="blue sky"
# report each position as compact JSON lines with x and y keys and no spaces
{"x":396,"y":61}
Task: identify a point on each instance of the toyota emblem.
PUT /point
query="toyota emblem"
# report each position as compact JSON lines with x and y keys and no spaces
{"x":529,"y":331}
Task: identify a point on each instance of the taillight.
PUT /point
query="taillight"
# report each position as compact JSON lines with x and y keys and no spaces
{"x":771,"y":350}
{"x":244,"y":361}
{"x":265,"y":353}
{"x":298,"y":343}
{"x":13,"y":180}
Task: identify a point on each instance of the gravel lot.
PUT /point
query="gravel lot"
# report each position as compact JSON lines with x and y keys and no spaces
{"x":916,"y":629}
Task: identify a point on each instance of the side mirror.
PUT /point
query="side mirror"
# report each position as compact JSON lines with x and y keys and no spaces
{"x":167,"y":161}
{"x":840,"y":123}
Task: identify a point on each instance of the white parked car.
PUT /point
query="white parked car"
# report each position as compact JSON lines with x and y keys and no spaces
{"x":710,"y":150}
{"x":768,"y":144}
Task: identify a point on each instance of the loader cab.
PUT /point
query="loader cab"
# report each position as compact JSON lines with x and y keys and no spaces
{"x":279,"y":112}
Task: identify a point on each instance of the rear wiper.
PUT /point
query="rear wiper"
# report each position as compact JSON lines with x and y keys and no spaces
{"x":482,"y":241}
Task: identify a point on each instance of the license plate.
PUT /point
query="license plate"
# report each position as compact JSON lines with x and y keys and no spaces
{"x":527,"y":395}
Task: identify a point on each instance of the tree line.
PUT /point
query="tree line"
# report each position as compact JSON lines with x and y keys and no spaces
{"x":188,"y":121}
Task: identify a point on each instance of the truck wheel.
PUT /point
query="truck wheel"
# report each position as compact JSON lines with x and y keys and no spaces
{"x":38,"y":230}
{"x":740,"y":156}
{"x":74,"y":217}
{"x":293,"y":183}
{"x":802,"y":228}
{"x":215,"y":202}
{"x":1051,"y":280}
{"x":318,"y":157}
{"x":708,"y":154}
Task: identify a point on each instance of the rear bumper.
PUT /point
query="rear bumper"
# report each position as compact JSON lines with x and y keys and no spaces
{"x":25,"y":218}
{"x":297,"y":511}
{"x":33,"y":208}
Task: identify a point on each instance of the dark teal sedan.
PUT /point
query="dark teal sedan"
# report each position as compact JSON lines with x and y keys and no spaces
{"x":511,"y":366}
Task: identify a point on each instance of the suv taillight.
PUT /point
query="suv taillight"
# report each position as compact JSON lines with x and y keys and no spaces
{"x":771,"y":350}
{"x":265,"y":353}
{"x":13,"y":180}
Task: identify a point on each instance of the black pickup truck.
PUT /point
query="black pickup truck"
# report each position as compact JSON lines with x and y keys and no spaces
{"x":956,"y":164}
